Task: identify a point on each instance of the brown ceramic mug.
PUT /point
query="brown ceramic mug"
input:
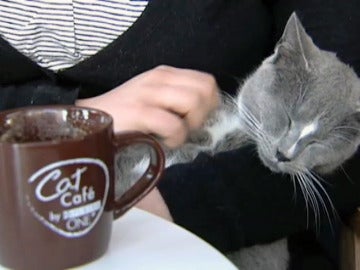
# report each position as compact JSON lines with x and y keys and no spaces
{"x":57,"y":198}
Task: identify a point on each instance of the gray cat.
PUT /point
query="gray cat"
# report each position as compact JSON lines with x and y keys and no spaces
{"x":301,"y":108}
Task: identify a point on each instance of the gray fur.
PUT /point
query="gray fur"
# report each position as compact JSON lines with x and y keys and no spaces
{"x":262,"y":257}
{"x":301,"y":84}
{"x":301,"y":108}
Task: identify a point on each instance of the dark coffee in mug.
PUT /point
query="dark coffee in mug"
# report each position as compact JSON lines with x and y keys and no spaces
{"x":42,"y":126}
{"x":57,"y":195}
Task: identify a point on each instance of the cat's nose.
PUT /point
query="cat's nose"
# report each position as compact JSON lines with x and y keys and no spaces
{"x":280,"y":156}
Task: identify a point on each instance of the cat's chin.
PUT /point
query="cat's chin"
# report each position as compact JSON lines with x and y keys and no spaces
{"x":276,"y":166}
{"x":271,"y":165}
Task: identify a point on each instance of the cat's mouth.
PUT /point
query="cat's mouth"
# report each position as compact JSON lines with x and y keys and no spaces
{"x":281,"y":167}
{"x":271,"y":164}
{"x":277,"y":166}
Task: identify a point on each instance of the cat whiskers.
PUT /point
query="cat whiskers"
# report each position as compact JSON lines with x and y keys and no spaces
{"x":326,"y":201}
{"x":315,"y":196}
{"x":342,"y":135}
{"x":347,"y":127}
{"x":309,"y":197}
{"x":303,"y":187}
{"x":253,"y":125}
{"x":293,"y":180}
{"x":343,"y":138}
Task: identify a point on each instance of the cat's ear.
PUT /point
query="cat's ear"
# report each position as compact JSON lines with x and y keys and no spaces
{"x":296,"y":43}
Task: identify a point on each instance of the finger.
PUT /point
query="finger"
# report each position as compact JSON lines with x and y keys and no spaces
{"x":168,"y":126}
{"x":204,"y":82}
{"x":201,"y":83}
{"x":188,"y":103}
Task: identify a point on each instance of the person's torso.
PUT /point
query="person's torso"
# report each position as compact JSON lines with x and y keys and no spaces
{"x":226,"y":38}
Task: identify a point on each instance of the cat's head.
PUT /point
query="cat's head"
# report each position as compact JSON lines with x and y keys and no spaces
{"x":302,"y":106}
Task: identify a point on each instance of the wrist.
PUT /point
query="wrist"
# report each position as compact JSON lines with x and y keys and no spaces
{"x":155,"y":204}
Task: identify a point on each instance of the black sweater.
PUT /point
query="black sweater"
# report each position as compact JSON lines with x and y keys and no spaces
{"x":230,"y":200}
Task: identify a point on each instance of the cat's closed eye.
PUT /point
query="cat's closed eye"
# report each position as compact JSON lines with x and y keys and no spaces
{"x":290,"y":122}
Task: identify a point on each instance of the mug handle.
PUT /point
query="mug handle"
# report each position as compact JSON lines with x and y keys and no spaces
{"x":151,"y":175}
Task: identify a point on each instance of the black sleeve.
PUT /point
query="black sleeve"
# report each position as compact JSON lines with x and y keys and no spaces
{"x":39,"y":92}
{"x":230,"y":199}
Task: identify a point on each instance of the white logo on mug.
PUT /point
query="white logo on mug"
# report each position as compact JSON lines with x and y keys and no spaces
{"x":64,"y":198}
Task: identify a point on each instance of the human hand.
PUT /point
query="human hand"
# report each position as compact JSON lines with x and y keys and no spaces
{"x":165,"y":101}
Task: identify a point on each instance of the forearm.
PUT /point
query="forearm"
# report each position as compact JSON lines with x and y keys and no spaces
{"x":232,"y":201}
{"x":228,"y":200}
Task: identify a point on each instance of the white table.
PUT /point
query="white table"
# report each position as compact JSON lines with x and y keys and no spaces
{"x":144,"y":241}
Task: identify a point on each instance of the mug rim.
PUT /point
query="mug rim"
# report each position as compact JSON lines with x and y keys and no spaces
{"x":108,"y":123}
